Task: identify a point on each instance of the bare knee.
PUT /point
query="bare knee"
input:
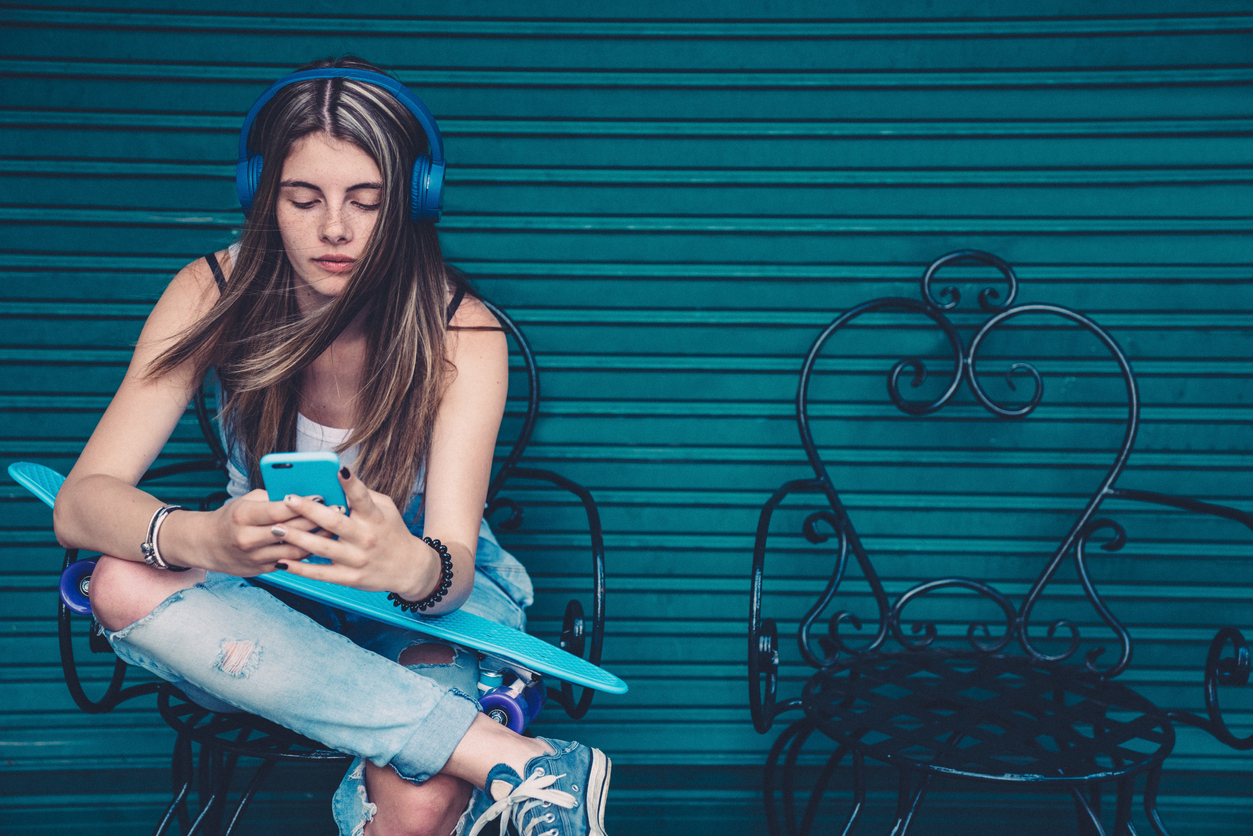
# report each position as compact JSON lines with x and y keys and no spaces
{"x":429,"y":809}
{"x":428,"y":653}
{"x":123,"y":591}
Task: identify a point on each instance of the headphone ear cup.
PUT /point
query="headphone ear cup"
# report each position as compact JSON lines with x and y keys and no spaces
{"x":426,"y":190}
{"x":247,"y":178}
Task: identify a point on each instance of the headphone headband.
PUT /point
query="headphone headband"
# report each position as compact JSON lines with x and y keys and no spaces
{"x":426,"y":187}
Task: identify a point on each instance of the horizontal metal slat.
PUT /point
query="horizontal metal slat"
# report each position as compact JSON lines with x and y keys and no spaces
{"x":721,"y":225}
{"x":749,"y":128}
{"x":694,"y":79}
{"x":507,"y":27}
{"x":598,"y":177}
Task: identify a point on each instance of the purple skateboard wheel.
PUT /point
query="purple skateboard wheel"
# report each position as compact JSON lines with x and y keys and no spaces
{"x":505,"y":710}
{"x":74,"y":582}
{"x":534,"y":697}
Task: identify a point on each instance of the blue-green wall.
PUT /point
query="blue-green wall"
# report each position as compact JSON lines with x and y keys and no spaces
{"x":672,"y":199}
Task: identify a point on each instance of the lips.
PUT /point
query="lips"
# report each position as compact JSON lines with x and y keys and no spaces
{"x":335,"y":263}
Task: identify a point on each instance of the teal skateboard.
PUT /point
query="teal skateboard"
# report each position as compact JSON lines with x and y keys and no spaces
{"x":512,"y":663}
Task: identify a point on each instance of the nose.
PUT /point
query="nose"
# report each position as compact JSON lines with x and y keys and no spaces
{"x":335,"y":229}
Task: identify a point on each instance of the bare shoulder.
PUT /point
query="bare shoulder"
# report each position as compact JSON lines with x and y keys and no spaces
{"x":197,"y":282}
{"x":476,"y":342}
{"x":473,"y":314}
{"x":188,"y":297}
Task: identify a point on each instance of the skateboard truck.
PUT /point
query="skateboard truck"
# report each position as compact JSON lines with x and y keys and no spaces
{"x":510,"y":695}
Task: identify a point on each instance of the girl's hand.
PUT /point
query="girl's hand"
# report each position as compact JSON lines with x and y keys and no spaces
{"x":242,"y":537}
{"x":374,"y":550}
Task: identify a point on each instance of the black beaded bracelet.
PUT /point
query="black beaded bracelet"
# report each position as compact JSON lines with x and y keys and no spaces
{"x":445,"y":581}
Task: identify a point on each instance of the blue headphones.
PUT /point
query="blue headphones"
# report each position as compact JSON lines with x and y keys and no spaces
{"x":426,"y":190}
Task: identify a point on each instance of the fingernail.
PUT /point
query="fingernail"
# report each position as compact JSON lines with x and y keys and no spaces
{"x":345,"y":472}
{"x":319,"y":500}
{"x":341,"y":509}
{"x":291,"y":497}
{"x":278,"y":531}
{"x":282,"y":567}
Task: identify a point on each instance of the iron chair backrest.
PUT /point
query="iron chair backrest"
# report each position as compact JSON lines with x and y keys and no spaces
{"x":935,"y":305}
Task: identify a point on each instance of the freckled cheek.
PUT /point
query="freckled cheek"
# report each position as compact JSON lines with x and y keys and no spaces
{"x":297,"y":237}
{"x":365,"y":226}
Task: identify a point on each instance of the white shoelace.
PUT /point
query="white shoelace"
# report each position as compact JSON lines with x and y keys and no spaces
{"x":525,"y":797}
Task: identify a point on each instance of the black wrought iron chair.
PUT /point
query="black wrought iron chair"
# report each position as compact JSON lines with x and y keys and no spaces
{"x":224,"y":738}
{"x":981,"y":710}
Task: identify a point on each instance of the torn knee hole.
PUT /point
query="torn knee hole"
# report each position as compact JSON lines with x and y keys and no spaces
{"x":236,"y":657}
{"x":427,"y":654}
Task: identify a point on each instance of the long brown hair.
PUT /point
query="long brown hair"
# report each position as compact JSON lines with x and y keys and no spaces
{"x":255,"y":337}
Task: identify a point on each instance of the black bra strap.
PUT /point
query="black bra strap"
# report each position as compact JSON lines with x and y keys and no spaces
{"x":457,"y":296}
{"x":217,"y":272}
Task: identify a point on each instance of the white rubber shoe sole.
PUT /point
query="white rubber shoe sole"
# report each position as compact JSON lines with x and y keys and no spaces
{"x":597,"y":792}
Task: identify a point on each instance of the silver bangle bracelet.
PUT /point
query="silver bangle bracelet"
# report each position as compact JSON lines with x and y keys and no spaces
{"x":152,"y":554}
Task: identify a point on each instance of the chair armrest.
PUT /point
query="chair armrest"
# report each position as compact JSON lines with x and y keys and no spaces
{"x":763,"y":634}
{"x":114,"y":693}
{"x":573,"y":628}
{"x":1186,"y":504}
{"x":1232,"y":670}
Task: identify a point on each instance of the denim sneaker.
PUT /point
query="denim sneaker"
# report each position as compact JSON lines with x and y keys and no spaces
{"x":479,"y":804}
{"x":563,"y":794}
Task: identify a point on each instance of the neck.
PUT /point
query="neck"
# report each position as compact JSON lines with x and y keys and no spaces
{"x":330,"y":387}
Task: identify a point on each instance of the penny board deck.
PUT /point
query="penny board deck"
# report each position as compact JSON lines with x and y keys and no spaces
{"x":457,"y":627}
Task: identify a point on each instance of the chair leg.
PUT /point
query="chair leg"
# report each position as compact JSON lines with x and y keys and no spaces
{"x":1150,"y":801}
{"x":820,"y":788}
{"x":1122,"y":815}
{"x":859,"y":792}
{"x":904,"y":789}
{"x":181,"y":774}
{"x":209,"y":819}
{"x":202,"y":818}
{"x":1089,"y":820}
{"x":258,"y":777}
{"x":789,"y":780}
{"x":802,"y":728}
{"x":908,"y":800}
{"x":1085,"y":814}
{"x":224,"y":771}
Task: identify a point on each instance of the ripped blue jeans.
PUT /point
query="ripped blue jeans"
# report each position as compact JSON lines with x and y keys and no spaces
{"x":328,"y":674}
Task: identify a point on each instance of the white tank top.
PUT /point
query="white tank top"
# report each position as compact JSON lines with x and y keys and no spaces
{"x":312,"y":437}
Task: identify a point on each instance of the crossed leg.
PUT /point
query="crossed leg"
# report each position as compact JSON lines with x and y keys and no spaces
{"x":428,"y":809}
{"x":123,"y":592}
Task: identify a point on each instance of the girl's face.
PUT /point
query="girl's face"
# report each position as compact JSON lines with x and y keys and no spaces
{"x":328,"y":205}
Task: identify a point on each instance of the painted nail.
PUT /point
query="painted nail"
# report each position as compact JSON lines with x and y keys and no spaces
{"x":291,"y":497}
{"x":278,"y":531}
{"x":338,"y":508}
{"x":319,"y":500}
{"x":345,"y":473}
{"x":282,"y":567}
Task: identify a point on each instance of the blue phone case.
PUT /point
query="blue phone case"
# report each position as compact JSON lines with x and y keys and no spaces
{"x":303,"y":474}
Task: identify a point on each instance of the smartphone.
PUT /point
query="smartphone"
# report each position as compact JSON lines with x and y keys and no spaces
{"x":303,"y":474}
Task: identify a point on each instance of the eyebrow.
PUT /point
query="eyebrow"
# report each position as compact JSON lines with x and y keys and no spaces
{"x":300,"y":184}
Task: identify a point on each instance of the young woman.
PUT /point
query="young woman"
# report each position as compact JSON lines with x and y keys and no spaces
{"x":332,"y":324}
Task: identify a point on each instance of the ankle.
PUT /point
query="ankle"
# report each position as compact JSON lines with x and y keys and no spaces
{"x":530,"y":748}
{"x":487,"y":744}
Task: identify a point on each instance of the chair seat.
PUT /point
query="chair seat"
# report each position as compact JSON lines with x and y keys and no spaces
{"x":239,"y":733}
{"x":990,"y":717}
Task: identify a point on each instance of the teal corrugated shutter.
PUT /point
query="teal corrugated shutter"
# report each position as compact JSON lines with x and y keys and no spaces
{"x":671,"y":201}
